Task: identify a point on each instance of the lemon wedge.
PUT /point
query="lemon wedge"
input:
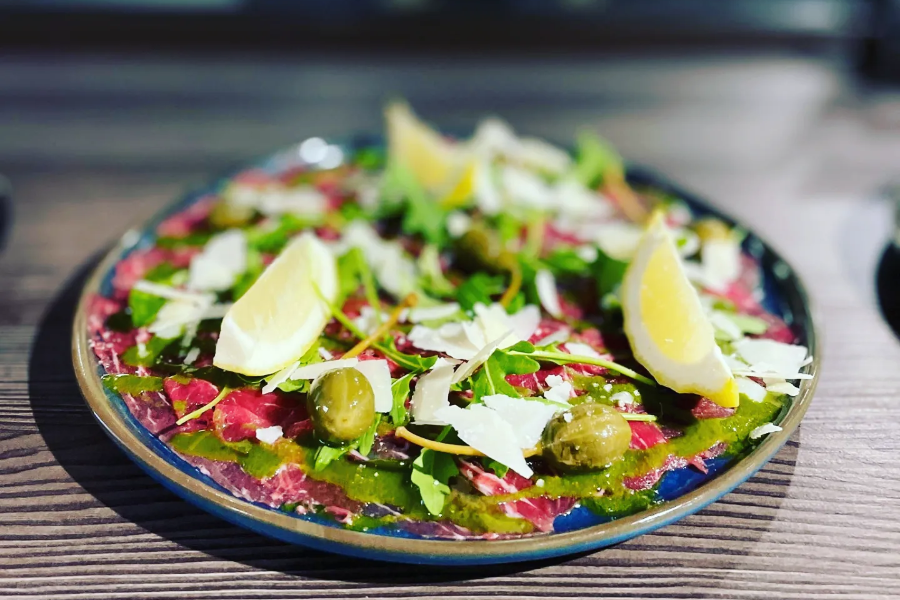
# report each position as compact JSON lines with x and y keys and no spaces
{"x":444,"y":169}
{"x":666,"y":325}
{"x":277,"y":320}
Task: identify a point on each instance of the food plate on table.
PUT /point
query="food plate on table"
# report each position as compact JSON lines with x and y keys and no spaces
{"x":446,"y":351}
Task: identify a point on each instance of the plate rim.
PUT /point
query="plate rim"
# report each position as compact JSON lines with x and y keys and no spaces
{"x":446,"y":552}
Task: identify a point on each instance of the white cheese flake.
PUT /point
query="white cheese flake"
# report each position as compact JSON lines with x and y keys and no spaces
{"x":545,"y":283}
{"x":751,"y":389}
{"x":269,"y":435}
{"x":764,"y":430}
{"x":191,"y":356}
{"x":325,"y":354}
{"x":314,"y":370}
{"x":432,"y":393}
{"x":378,"y":374}
{"x":458,"y":223}
{"x":480,"y":357}
{"x":463,"y":340}
{"x":483,"y":429}
{"x":222,"y":260}
{"x":721,"y":260}
{"x":768,"y":356}
{"x":432,"y":313}
{"x":780,"y":386}
{"x":527,"y":418}
{"x":559,"y":390}
{"x":622,"y":399}
{"x":557,"y":337}
{"x":170,"y":293}
{"x":579,"y":349}
{"x":273,"y":381}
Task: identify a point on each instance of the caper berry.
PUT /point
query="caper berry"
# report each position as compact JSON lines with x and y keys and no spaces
{"x":341,"y":404}
{"x":710,"y":228}
{"x":225,"y":214}
{"x":480,"y":249}
{"x":587,"y":436}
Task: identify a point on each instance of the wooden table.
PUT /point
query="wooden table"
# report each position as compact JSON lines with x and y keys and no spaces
{"x":787,"y":143}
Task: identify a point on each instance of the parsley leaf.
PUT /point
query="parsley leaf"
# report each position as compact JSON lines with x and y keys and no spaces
{"x":431,"y":474}
{"x":400,"y":392}
{"x":491,"y":378}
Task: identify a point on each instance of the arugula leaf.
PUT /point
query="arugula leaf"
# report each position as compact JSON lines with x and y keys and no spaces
{"x":196,"y":238}
{"x":366,"y":440}
{"x":152,"y":349}
{"x":400,"y":392}
{"x":144,"y":307}
{"x":479,"y":288}
{"x":608,"y":272}
{"x":566,"y":261}
{"x":274,"y":240}
{"x":311,"y":356}
{"x":431,"y":474}
{"x":499,"y":469}
{"x":423,"y":215}
{"x":132,"y":384}
{"x":596,"y":160}
{"x":370,"y":158}
{"x":433,"y":280}
{"x":325,"y":455}
{"x":491,"y":378}
{"x":349,"y":275}
{"x":410,"y":362}
{"x":749,"y":324}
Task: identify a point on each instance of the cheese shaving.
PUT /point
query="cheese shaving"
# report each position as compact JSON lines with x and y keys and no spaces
{"x":483,"y":429}
{"x":547,"y":292}
{"x":378,"y":374}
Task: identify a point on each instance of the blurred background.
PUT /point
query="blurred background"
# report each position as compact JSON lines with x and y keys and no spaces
{"x":757,"y":104}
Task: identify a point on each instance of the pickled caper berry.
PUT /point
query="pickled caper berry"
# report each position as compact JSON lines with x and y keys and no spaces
{"x":587,"y":436}
{"x":341,"y":404}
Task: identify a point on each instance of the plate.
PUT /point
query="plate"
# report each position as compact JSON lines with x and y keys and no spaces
{"x":684,"y":491}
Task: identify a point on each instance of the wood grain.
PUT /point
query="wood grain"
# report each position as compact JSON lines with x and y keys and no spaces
{"x":93,"y":143}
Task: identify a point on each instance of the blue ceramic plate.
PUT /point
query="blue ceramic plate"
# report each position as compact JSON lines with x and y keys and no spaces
{"x":683,"y":491}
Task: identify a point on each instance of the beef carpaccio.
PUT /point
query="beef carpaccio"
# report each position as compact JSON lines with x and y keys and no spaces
{"x":437,"y":335}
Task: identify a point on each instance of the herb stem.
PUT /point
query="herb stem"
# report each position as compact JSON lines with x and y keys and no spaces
{"x":458,"y":450}
{"x":638,"y":417}
{"x":193,"y":415}
{"x":382,"y":329}
{"x":515,"y":284}
{"x":562,"y":357}
{"x":368,"y":280}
